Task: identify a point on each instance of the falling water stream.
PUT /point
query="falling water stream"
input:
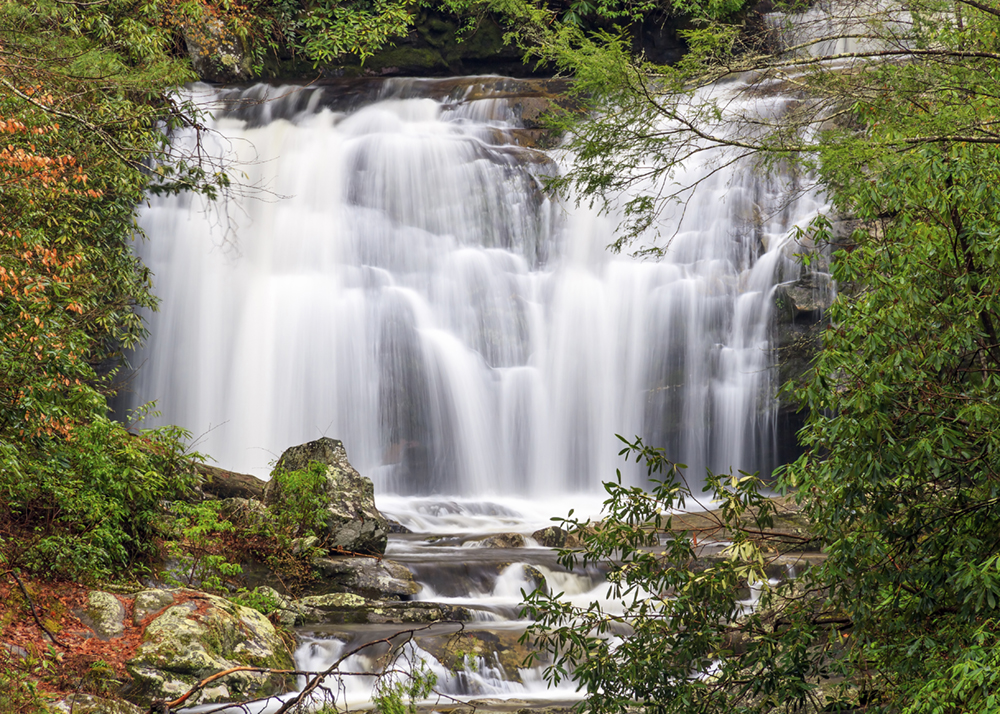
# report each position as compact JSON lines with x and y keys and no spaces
{"x":403,"y":283}
{"x":400,"y":280}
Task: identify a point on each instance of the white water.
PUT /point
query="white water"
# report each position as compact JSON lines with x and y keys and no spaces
{"x":414,"y":294}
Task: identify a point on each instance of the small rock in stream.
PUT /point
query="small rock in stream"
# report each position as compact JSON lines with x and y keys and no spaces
{"x":503,"y":540}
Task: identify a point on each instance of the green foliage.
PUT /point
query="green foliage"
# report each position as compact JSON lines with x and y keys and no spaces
{"x":399,"y":691}
{"x":89,"y":506}
{"x":263,"y":601}
{"x":84,"y":89}
{"x":298,"y":508}
{"x":19,"y":688}
{"x":681,"y":636}
{"x":198,"y":552}
{"x":332,"y":29}
{"x":900,"y":475}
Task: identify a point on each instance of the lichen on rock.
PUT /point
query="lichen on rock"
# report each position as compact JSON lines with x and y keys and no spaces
{"x":199,"y":636}
{"x":104,"y":614}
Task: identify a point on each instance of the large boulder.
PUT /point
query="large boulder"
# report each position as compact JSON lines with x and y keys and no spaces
{"x":200,"y":635}
{"x":352,"y":522}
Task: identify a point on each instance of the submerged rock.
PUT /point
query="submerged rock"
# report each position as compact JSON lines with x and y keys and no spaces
{"x":200,"y":635}
{"x":353,"y":523}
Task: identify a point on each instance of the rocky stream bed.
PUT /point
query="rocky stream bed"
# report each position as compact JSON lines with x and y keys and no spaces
{"x":440,"y":593}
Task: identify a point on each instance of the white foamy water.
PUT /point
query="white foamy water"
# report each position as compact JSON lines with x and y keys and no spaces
{"x":415,"y":294}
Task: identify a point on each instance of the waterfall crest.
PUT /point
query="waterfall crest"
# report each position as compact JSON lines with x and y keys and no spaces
{"x":408,"y":287}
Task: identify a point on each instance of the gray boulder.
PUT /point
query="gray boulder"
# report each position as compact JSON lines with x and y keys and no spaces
{"x":353,"y":523}
{"x":201,"y":635}
{"x":368,"y":577}
{"x":104,"y":614}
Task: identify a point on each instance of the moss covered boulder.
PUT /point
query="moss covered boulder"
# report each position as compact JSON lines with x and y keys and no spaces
{"x":200,"y":635}
{"x":352,"y":522}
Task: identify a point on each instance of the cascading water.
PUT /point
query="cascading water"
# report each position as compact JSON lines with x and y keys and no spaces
{"x":405,"y":285}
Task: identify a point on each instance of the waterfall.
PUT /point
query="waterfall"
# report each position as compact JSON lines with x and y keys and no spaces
{"x":400,"y":280}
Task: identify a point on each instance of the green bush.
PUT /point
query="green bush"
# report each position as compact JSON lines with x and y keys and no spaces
{"x":89,"y":506}
{"x":300,"y":496}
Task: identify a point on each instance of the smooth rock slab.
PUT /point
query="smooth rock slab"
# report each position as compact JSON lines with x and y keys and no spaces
{"x":350,"y":609}
{"x":367,"y":577}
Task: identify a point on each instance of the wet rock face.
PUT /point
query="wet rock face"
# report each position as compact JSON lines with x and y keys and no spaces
{"x":201,"y":635}
{"x":353,"y":523}
{"x":367,"y":577}
{"x":459,"y":650}
{"x":216,"y":53}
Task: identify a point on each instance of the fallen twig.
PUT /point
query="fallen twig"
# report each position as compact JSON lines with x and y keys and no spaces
{"x":34,"y":614}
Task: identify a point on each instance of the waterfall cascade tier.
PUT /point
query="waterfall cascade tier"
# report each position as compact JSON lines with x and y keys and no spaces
{"x":404,"y":283}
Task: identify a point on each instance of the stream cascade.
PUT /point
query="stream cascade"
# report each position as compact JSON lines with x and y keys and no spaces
{"x":398,"y":278}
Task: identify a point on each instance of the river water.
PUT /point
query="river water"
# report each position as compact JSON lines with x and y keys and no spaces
{"x":397,"y":278}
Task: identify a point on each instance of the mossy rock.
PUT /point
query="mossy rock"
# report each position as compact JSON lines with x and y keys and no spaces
{"x":201,"y":635}
{"x":104,"y":615}
{"x":352,"y":522}
{"x":502,"y":540}
{"x":89,"y":704}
